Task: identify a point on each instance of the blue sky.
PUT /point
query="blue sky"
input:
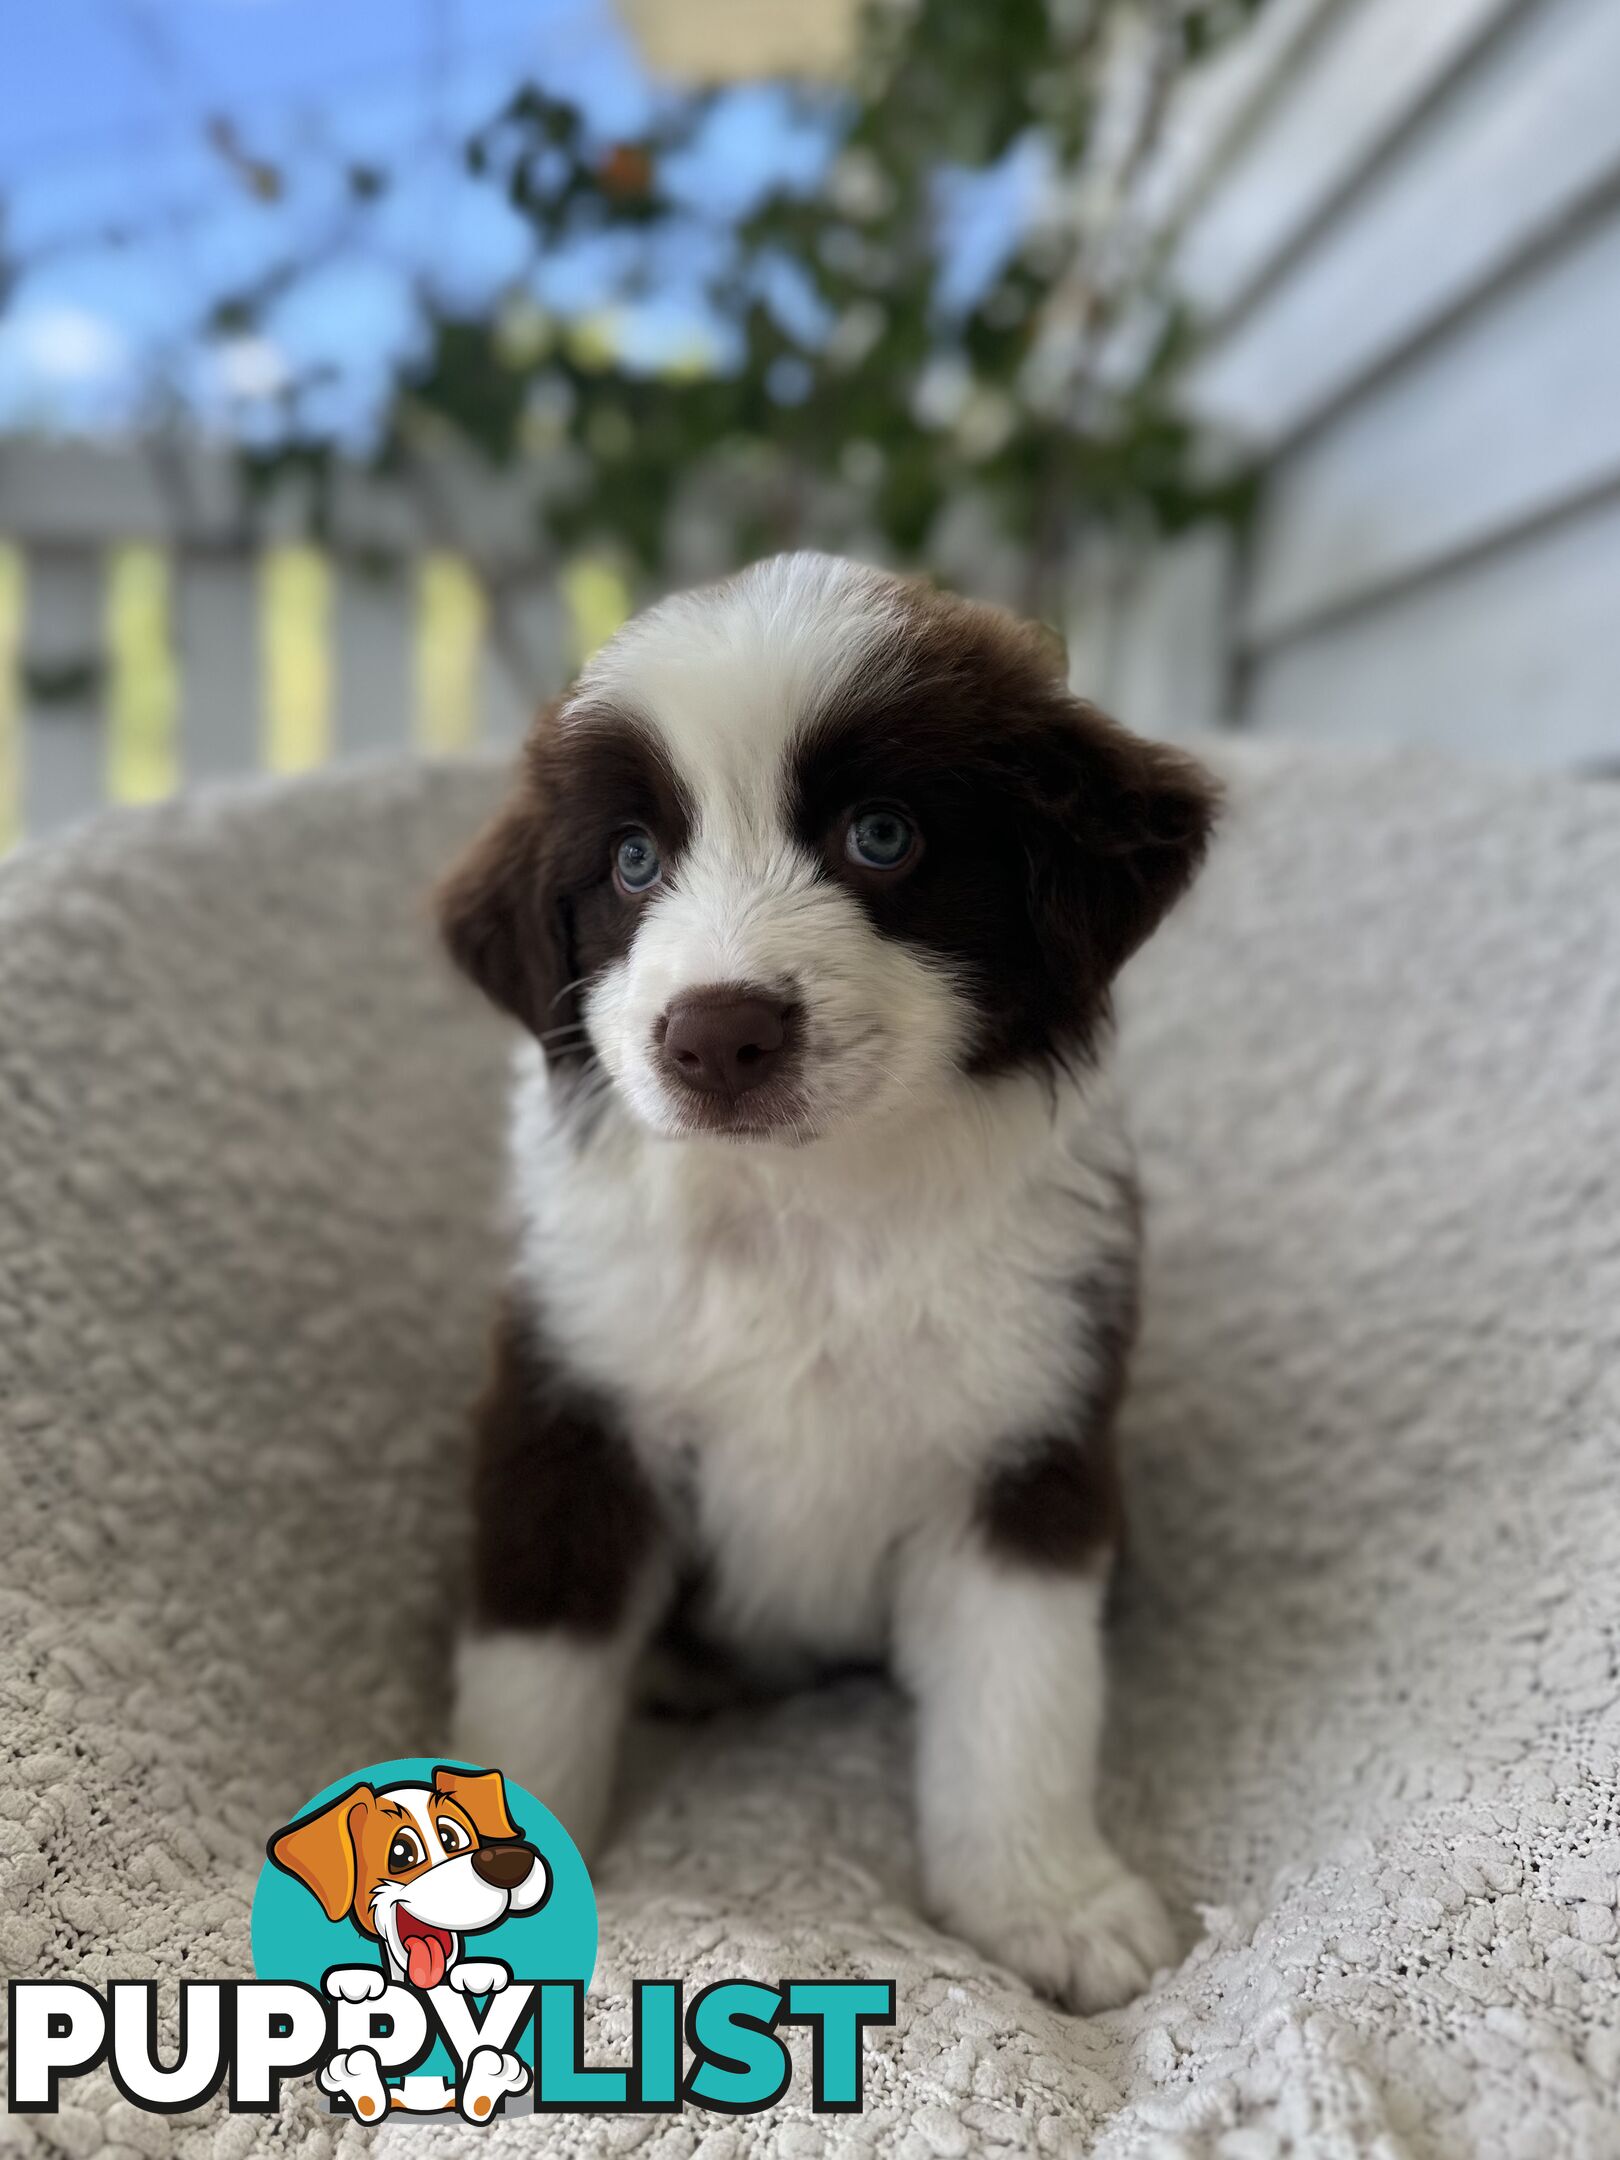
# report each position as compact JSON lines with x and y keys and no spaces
{"x":124,"y":220}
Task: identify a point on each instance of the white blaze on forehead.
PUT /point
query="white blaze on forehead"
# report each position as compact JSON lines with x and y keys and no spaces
{"x":730,"y":676}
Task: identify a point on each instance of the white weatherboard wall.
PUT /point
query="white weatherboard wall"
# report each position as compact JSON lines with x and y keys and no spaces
{"x":1402,"y":254}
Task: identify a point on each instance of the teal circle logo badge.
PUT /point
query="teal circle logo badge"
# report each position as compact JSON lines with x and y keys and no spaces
{"x":427,"y":1901}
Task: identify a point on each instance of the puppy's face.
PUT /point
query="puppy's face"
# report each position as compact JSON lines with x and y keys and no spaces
{"x":811,"y":845}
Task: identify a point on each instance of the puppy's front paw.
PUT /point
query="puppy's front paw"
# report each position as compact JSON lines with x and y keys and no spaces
{"x":1091,"y":1938}
{"x":479,"y":1976}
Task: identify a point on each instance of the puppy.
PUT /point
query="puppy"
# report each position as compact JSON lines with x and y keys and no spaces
{"x":810,"y":895}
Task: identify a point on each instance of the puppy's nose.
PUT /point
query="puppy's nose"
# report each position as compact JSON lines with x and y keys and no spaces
{"x":725,"y":1040}
{"x":503,"y":1866}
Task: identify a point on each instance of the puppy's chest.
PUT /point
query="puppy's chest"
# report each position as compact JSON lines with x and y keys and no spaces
{"x":791,"y":1331}
{"x":806,"y":1390}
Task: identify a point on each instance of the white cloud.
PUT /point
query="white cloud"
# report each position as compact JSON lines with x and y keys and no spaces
{"x":70,"y":345}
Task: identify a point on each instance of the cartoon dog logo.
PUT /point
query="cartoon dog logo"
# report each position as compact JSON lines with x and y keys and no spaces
{"x":417,"y":1868}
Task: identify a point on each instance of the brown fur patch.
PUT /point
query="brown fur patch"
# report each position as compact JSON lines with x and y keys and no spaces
{"x":532,"y":911}
{"x":1057,"y":1506}
{"x":1055,"y":840}
{"x":564,"y":1519}
{"x":1058,"y":1502}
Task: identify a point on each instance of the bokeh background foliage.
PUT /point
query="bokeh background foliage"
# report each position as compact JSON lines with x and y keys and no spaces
{"x":849,"y":386}
{"x":604,"y":295}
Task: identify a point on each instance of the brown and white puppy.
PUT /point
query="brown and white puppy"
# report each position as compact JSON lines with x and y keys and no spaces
{"x":810,"y":896}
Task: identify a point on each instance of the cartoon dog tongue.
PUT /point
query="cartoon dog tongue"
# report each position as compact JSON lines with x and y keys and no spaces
{"x":424,"y":1960}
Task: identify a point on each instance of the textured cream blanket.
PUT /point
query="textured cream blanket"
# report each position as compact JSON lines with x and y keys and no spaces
{"x":1368,"y":1704}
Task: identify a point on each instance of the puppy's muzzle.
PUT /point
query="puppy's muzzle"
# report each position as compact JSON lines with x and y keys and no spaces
{"x":503,"y":1867}
{"x":724,"y":1040}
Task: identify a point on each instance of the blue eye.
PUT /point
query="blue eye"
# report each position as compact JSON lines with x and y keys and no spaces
{"x":636,"y":867}
{"x":880,"y":839}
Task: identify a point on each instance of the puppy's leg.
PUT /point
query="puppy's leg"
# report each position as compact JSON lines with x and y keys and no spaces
{"x":570,"y":1577}
{"x":547,"y":1706}
{"x":1004,"y":1656}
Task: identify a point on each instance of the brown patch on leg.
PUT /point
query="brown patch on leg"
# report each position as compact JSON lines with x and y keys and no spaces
{"x":1058,"y":1506}
{"x":1057,"y":1502}
{"x":564,"y":1517}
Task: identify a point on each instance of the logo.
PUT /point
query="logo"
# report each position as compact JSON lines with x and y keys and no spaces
{"x":424,"y":1934}
{"x":426,"y":1902}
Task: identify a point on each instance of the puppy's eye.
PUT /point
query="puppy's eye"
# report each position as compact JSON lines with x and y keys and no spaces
{"x":636,"y":867}
{"x":881,"y":839}
{"x":451,"y":1835}
{"x":405,"y":1852}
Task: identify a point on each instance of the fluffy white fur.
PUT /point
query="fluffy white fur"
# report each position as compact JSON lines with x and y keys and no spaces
{"x":817,"y":1350}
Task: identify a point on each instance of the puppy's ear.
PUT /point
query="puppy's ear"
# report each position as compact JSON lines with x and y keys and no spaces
{"x":319,"y":1850}
{"x":498,"y":922}
{"x":499,"y":913}
{"x":482,"y":1795}
{"x":1124,"y":826}
{"x":1108,"y":829}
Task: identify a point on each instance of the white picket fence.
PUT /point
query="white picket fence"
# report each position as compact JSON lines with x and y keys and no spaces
{"x":159,"y":626}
